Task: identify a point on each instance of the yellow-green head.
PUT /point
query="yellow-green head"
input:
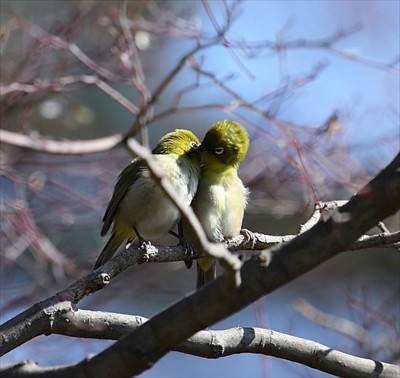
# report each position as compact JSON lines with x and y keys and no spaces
{"x":138,"y":208}
{"x":225,"y":144}
{"x":178,"y":142}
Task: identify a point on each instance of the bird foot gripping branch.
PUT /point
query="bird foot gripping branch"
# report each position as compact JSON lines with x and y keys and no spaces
{"x":138,"y":208}
{"x":249,"y":237}
{"x":147,"y":251}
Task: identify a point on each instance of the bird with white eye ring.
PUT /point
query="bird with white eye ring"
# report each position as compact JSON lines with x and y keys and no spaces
{"x":221,"y":197}
{"x":139,"y":207}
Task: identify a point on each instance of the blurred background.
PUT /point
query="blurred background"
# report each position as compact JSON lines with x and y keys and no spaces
{"x":316,"y":84}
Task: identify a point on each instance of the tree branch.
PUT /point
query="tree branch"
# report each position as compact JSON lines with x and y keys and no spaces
{"x":213,"y":344}
{"x":35,"y":320}
{"x":260,"y":275}
{"x":273,"y":268}
{"x":323,"y":236}
{"x":53,"y":146}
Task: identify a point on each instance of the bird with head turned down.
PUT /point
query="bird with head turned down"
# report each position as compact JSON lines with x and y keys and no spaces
{"x":139,"y":208}
{"x":221,"y":197}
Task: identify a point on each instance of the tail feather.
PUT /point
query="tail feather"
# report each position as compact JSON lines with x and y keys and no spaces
{"x":206,"y":275}
{"x":109,"y":249}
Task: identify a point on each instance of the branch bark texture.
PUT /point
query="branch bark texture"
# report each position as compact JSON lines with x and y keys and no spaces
{"x":262,"y":274}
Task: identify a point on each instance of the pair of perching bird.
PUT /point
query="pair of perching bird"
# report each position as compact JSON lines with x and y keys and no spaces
{"x":203,"y":175}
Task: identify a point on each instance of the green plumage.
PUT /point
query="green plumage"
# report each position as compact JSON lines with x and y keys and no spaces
{"x":221,"y":197}
{"x":138,"y":206}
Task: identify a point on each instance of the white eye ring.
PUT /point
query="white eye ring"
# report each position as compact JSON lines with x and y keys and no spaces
{"x":219,"y":150}
{"x":193,"y":144}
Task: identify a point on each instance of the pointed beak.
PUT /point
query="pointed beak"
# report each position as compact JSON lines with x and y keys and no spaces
{"x":197,"y":149}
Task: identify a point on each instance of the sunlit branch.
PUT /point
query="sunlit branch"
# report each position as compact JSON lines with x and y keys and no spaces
{"x":213,"y":344}
{"x":39,"y":143}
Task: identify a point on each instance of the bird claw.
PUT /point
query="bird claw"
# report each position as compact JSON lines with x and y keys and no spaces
{"x":144,"y":244}
{"x":190,"y":251}
{"x":249,"y":237}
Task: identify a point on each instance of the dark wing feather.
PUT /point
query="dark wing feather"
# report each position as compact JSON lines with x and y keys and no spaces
{"x":125,"y":180}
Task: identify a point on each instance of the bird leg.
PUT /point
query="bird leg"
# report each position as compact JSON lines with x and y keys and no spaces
{"x":174,"y":234}
{"x":188,"y":246}
{"x":190,"y":251}
{"x":141,"y":240}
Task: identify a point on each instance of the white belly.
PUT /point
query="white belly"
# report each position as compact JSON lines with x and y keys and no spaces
{"x":147,"y":208}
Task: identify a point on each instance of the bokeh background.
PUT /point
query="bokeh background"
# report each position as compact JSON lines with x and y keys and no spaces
{"x":316,"y":84}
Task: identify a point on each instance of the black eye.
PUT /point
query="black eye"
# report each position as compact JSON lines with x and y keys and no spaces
{"x":219,"y":150}
{"x":192,"y":144}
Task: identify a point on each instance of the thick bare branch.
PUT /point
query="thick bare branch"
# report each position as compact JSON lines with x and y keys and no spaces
{"x":261,"y":275}
{"x":273,"y":268}
{"x":213,"y":344}
{"x":26,"y":326}
{"x":326,"y":234}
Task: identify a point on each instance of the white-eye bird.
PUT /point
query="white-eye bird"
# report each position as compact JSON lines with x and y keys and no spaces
{"x":221,"y":197}
{"x":139,"y":207}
